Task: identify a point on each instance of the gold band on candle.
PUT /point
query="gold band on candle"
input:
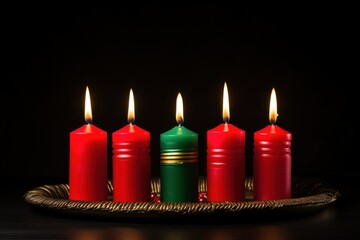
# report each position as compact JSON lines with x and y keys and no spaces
{"x":179,"y":154}
{"x":178,"y":157}
{"x":178,"y":161}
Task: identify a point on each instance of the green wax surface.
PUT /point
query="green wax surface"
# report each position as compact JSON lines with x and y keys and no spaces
{"x":179,"y":179}
{"x":179,"y":139}
{"x":179,"y":182}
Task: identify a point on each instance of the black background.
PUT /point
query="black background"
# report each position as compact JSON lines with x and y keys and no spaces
{"x":53,"y":51}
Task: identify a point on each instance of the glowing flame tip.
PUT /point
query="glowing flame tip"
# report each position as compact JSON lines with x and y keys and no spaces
{"x":131,"y":109}
{"x":226,"y":107}
{"x":88,"y":112}
{"x":179,"y":109}
{"x":273,"y":107}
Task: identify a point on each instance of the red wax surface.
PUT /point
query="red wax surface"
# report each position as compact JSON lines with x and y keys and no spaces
{"x":272,"y":163}
{"x":131,"y":164}
{"x":88,"y":164}
{"x":225,"y":163}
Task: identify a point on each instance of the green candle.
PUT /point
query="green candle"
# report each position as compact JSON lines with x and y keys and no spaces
{"x":179,"y":162}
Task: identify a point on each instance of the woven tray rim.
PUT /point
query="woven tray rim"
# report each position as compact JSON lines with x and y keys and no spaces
{"x":308,"y":194}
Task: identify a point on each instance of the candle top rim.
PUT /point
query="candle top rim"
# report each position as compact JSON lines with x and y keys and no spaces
{"x":179,"y":130}
{"x":225,"y":127}
{"x":127,"y":129}
{"x":88,"y":128}
{"x":272,"y":129}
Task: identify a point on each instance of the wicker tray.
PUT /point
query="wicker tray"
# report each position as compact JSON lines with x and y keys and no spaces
{"x":308,"y":195}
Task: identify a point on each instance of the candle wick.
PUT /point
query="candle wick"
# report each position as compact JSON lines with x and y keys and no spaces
{"x":180,"y":120}
{"x":131,"y":121}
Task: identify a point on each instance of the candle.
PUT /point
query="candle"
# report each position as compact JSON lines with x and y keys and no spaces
{"x":88,"y":160}
{"x":272,"y":159}
{"x":225,"y":159}
{"x":179,"y":161}
{"x":131,"y":161}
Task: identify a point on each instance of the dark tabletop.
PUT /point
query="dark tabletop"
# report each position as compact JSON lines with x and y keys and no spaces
{"x":338,"y":220}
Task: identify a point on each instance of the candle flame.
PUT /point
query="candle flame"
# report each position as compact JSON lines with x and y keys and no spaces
{"x":179,"y":109}
{"x":226,"y":108}
{"x":273,"y":107}
{"x":131,"y":109}
{"x":88,"y":113}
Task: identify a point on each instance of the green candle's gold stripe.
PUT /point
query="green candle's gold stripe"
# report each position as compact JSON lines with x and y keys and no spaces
{"x":178,"y":161}
{"x":185,"y":158}
{"x":176,"y":157}
{"x":178,"y":153}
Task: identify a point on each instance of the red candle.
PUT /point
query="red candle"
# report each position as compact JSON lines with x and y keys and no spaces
{"x":226,"y":159}
{"x":272,"y":159}
{"x":88,"y":160}
{"x":131,"y":161}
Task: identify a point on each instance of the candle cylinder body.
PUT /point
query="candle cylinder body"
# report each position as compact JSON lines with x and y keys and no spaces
{"x":272,"y":163}
{"x":131,"y":164}
{"x":225,"y":164}
{"x":88,"y":164}
{"x":179,"y":165}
